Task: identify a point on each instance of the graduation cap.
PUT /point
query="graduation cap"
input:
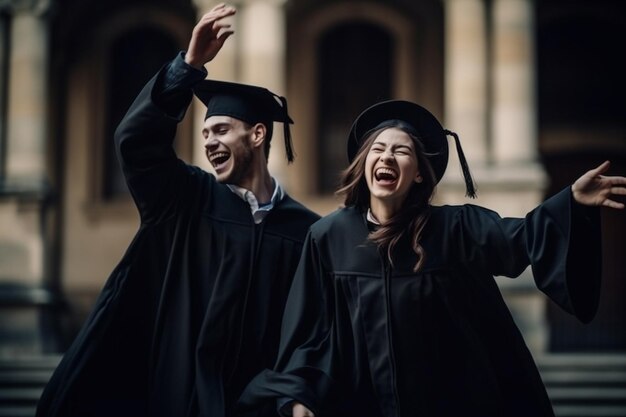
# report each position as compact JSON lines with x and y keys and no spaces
{"x":430,"y":133}
{"x":248,"y":103}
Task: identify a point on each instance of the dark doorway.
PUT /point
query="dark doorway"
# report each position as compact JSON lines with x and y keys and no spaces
{"x":134,"y":57}
{"x":581,"y":115}
{"x":355,"y":66}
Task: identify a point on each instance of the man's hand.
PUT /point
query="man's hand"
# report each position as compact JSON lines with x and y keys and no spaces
{"x":299,"y":410}
{"x":594,"y":189}
{"x":209,"y":35}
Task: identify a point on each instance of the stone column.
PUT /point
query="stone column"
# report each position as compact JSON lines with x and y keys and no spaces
{"x":514,"y":123}
{"x":23,"y":195}
{"x":4,"y":61}
{"x":262,"y":39}
{"x":27,"y":95}
{"x":466,"y":80}
{"x":26,"y":134}
{"x":514,"y":130}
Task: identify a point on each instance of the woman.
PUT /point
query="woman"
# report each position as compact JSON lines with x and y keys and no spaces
{"x":394,"y":310}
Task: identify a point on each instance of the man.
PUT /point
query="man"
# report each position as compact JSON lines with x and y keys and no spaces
{"x":193,"y":310}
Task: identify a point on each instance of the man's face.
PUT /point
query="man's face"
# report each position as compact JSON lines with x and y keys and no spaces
{"x":227,"y":147}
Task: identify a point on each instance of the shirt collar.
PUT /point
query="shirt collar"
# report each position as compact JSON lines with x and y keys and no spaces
{"x":371,"y":218}
{"x":258,"y":212}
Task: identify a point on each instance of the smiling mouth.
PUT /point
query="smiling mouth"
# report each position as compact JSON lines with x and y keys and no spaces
{"x":385,"y":175}
{"x":218,"y":158}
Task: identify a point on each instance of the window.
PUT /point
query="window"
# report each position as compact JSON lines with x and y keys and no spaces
{"x":579,"y":65}
{"x":355,"y":66}
{"x":134,"y":58}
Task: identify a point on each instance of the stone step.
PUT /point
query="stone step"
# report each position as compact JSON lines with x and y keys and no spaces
{"x":30,"y":362}
{"x":24,"y":378}
{"x":14,"y":411}
{"x":573,"y":378}
{"x":20,"y":395}
{"x":589,"y":411}
{"x":612,"y":361}
{"x":585,"y":385}
{"x":578,"y":385}
{"x":22,"y":381}
{"x":587,"y":395}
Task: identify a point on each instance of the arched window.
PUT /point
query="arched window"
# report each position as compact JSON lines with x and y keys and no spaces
{"x":354,"y":68}
{"x":134,"y":57}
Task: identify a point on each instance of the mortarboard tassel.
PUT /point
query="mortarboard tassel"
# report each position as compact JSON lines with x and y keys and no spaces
{"x":287,"y":133}
{"x":469,"y":183}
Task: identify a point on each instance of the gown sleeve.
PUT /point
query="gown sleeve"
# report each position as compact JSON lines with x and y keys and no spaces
{"x":144,"y":139}
{"x":308,"y":365}
{"x":560,"y":240}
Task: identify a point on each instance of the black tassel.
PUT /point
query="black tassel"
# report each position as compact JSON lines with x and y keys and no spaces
{"x":287,"y":133}
{"x":470,"y":189}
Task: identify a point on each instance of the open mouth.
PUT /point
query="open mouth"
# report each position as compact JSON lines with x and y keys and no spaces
{"x":385,"y":175}
{"x":218,"y":158}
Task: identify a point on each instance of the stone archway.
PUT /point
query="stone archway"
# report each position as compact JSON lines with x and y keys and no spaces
{"x":414,"y":41}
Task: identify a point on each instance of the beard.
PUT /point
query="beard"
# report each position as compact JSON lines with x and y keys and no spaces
{"x":242,"y":165}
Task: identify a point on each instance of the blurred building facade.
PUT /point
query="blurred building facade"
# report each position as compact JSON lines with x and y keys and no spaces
{"x":534,"y":89}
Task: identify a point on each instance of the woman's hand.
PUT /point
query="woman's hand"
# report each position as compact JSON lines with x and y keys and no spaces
{"x":595,"y":189}
{"x":300,"y":410}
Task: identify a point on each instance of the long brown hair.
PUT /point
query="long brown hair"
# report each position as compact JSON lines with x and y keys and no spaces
{"x":415,"y":209}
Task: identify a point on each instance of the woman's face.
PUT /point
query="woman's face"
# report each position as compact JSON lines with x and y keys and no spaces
{"x":391,"y":167}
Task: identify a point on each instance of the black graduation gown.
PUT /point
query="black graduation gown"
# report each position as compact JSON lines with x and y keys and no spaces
{"x":363,"y":338}
{"x":193,"y":310}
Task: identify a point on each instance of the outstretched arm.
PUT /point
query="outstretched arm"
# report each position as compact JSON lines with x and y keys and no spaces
{"x":209,"y":35}
{"x":596,"y":189}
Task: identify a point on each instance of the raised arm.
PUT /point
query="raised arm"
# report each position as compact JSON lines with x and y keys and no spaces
{"x":560,"y":240}
{"x":144,"y":138}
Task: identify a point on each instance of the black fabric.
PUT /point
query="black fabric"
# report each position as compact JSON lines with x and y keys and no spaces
{"x":193,"y":310}
{"x":363,"y":338}
{"x":249,"y":103}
